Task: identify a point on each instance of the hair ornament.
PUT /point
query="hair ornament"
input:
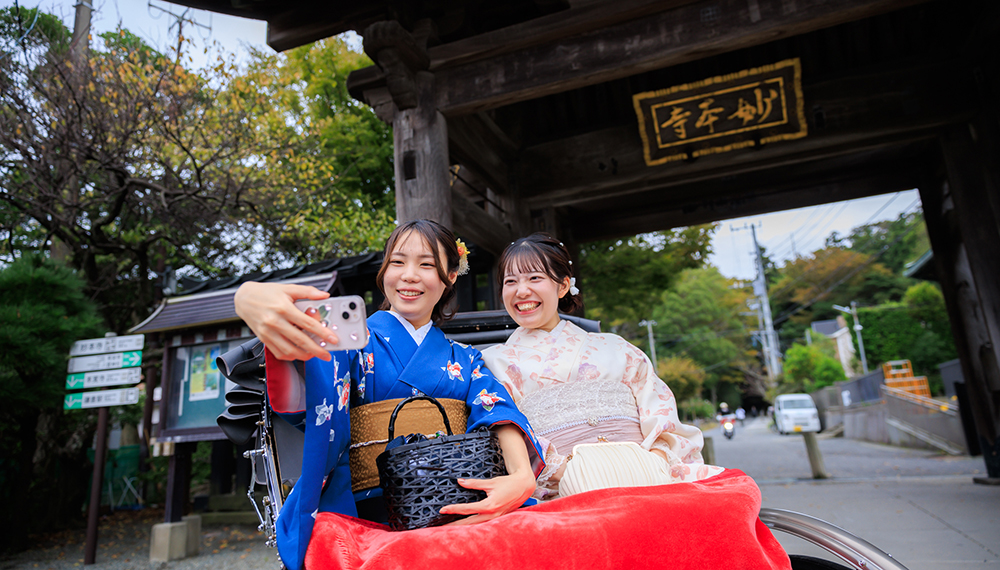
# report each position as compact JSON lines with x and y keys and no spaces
{"x":572,"y":286}
{"x":463,"y":257}
{"x":561,"y":244}
{"x":571,"y":262}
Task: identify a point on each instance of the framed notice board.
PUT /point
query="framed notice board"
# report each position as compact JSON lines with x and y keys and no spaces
{"x":195,"y":391}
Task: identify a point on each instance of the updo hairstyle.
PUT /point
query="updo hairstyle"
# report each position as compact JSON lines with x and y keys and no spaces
{"x":541,"y":253}
{"x":434,"y":235}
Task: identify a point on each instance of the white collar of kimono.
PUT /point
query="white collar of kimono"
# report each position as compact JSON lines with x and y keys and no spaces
{"x":524,"y":336}
{"x":418,"y":335}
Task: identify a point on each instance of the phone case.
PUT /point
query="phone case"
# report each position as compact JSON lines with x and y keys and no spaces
{"x":345,"y":316}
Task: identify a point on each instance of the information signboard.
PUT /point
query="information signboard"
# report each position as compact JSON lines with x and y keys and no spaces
{"x":105,"y":361}
{"x":101,"y":399}
{"x":107,"y":344}
{"x":84,"y":380}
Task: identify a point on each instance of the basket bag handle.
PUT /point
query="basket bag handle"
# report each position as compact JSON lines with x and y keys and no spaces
{"x":399,"y":406}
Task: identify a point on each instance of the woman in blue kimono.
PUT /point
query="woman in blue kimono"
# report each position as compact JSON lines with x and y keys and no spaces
{"x":406,"y":355}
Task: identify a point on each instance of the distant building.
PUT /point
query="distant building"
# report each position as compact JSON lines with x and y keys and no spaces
{"x":838,"y":330}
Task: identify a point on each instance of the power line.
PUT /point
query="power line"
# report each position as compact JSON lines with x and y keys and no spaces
{"x":789,"y":285}
{"x":787,"y":314}
{"x":776,"y":253}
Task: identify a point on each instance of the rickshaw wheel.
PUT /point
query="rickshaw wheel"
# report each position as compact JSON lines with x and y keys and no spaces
{"x":800,"y":562}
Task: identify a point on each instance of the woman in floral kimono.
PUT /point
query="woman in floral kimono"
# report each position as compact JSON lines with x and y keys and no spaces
{"x":406,"y":355}
{"x":577,"y":387}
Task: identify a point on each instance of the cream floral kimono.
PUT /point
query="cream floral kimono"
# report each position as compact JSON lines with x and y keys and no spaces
{"x":578,"y":387}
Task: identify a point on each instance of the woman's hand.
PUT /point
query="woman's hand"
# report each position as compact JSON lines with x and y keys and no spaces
{"x":503,"y":494}
{"x":270,"y":312}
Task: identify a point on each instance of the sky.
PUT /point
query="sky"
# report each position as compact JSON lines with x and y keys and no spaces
{"x":784,"y":234}
{"x":801,"y":231}
{"x":150,"y":20}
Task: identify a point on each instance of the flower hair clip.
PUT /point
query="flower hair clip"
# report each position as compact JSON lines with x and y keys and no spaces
{"x":463,"y":257}
{"x":572,"y":286}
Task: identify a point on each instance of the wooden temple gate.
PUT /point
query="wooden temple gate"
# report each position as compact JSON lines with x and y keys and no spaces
{"x":596,"y":119}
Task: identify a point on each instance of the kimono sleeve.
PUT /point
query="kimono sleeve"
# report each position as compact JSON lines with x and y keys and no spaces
{"x":491,"y":404}
{"x":661,"y":426}
{"x":286,"y":384}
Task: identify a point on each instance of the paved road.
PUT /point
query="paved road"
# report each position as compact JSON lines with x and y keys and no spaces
{"x":920,"y":506}
{"x":769,"y":457}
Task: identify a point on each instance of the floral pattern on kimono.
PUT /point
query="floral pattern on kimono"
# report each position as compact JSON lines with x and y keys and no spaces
{"x":316,"y":396}
{"x":533,"y":360}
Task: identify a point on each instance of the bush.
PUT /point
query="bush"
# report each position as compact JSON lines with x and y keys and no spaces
{"x":916,"y":330}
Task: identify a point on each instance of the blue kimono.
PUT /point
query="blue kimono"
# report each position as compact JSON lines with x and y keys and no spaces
{"x":391,"y":366}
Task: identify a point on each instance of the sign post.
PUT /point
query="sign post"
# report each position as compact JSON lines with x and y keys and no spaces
{"x":98,"y":363}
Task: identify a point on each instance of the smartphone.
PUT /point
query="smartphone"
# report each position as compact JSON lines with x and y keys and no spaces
{"x":345,"y":316}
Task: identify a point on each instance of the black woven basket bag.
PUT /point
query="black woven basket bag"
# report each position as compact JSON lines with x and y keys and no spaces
{"x":418,"y":475}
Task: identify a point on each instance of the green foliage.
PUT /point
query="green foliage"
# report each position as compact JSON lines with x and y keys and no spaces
{"x":864,"y":266}
{"x":42,"y":311}
{"x":211,"y":171}
{"x":916,"y":330}
{"x":623,"y":279}
{"x":332,"y":189}
{"x":925,"y":303}
{"x":903,"y":240}
{"x":45,"y":30}
{"x":809,"y":369}
{"x":684,"y":376}
{"x":693,"y":408}
{"x":700,"y":319}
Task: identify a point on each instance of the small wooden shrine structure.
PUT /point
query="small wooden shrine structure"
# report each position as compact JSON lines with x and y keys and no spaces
{"x":596,"y":119}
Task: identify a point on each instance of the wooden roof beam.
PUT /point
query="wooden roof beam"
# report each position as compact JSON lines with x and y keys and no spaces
{"x":477,"y":142}
{"x":678,"y":35}
{"x":751,"y":200}
{"x":910,"y":102}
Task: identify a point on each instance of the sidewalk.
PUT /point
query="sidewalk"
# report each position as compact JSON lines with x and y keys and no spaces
{"x":919,"y":506}
{"x":926,"y":523}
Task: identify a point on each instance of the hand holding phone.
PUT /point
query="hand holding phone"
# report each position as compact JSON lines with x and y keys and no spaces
{"x":344,"y":316}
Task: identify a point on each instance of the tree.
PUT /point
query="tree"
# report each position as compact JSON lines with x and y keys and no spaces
{"x":684,"y":376}
{"x":865,"y":267}
{"x":809,"y":286}
{"x":334,"y":194}
{"x":700,"y":319}
{"x":623,"y":279}
{"x":808,"y":369}
{"x":897,"y":242}
{"x":128,"y":162}
{"x":42,"y":312}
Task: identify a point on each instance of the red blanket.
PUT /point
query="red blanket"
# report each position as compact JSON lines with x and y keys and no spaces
{"x":703,"y":525}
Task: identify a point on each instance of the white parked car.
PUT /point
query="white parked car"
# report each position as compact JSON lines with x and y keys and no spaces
{"x":795,"y":413}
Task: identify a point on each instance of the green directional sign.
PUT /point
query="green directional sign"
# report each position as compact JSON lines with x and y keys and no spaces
{"x":101,"y":399}
{"x":73,"y":402}
{"x":131,"y":358}
{"x":84,"y":380}
{"x":105,"y":361}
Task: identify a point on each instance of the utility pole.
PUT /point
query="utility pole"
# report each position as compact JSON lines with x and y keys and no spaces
{"x":652,"y":345}
{"x":180,"y":20}
{"x":760,"y":290}
{"x":78,"y":48}
{"x":857,"y":331}
{"x":81,"y":31}
{"x":768,"y":338}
